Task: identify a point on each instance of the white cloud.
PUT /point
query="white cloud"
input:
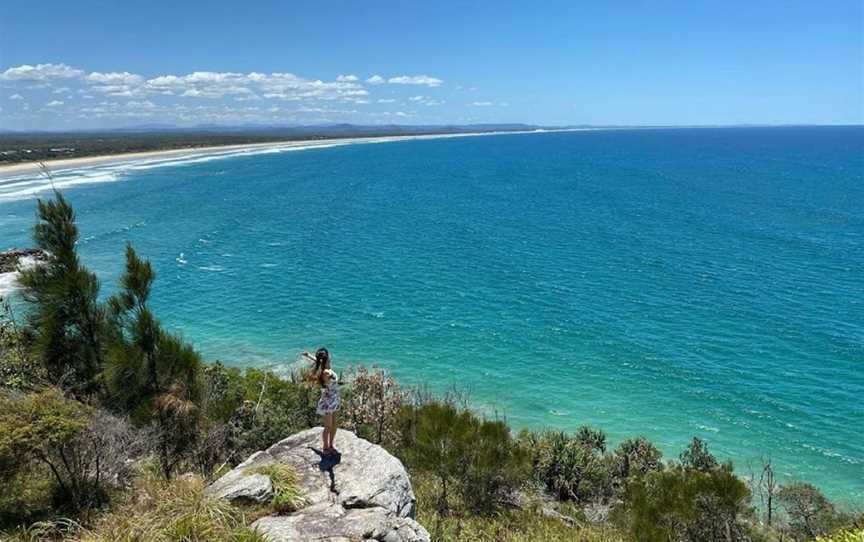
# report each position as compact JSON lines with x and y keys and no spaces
{"x":415,"y":80}
{"x":482,"y":104}
{"x":114,"y":78}
{"x":282,"y":86}
{"x":426,"y":100}
{"x":116,"y":83}
{"x":40,"y":72}
{"x":206,"y":96}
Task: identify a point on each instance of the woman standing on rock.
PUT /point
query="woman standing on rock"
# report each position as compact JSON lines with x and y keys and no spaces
{"x":328,"y":404}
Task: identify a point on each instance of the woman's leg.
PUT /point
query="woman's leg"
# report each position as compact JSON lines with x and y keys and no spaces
{"x":332,"y":428}
{"x":324,"y":434}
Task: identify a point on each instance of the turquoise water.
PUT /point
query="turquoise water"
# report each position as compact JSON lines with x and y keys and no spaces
{"x":668,"y":283}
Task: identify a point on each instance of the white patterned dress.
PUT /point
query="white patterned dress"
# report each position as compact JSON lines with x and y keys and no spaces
{"x":329,"y":401}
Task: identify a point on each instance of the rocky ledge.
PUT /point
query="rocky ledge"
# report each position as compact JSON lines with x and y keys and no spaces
{"x":361,"y":493}
{"x":10,"y":259}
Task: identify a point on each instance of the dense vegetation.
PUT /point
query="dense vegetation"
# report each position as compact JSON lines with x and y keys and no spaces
{"x":110,"y":426}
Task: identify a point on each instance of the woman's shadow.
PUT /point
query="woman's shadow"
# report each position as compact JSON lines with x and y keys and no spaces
{"x":326,"y":464}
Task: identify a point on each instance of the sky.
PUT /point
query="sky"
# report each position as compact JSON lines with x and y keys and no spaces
{"x":104,"y":64}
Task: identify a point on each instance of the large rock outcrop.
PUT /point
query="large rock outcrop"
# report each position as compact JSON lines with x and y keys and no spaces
{"x":361,"y":493}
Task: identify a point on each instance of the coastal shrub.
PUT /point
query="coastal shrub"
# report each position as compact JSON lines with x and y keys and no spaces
{"x":475,"y":459}
{"x":809,"y":513}
{"x":222,"y":391}
{"x":246,"y":411}
{"x":372,"y":406}
{"x":591,"y":439}
{"x":635,"y":457}
{"x":175,"y":428}
{"x":82,"y":449}
{"x":697,"y":457}
{"x":687,"y":505}
{"x":508,"y":525}
{"x":571,"y":467}
{"x":19,"y":368}
{"x":65,"y":317}
{"x":26,"y":496}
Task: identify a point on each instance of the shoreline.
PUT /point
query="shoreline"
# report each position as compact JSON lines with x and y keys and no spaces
{"x":61,"y":164}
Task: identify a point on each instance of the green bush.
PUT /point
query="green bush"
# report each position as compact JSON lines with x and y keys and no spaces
{"x":636,"y":457}
{"x":476,"y":459}
{"x":529,"y":525}
{"x":19,"y":369}
{"x":247,"y":411}
{"x":809,"y":513}
{"x":372,"y":405}
{"x":44,"y":428}
{"x":687,"y":505}
{"x":570,"y":467}
{"x":697,"y":457}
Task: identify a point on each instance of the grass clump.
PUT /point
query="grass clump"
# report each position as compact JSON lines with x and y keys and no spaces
{"x":286,"y":492}
{"x":176,"y":511}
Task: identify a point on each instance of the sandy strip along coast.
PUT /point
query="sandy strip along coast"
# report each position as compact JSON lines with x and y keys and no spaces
{"x":86,"y":161}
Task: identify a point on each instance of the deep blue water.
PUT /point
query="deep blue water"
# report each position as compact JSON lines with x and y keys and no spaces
{"x":668,"y":283}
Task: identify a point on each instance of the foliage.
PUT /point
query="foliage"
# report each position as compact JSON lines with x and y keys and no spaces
{"x":846,"y":535}
{"x":175,"y":511}
{"x":371,"y":408}
{"x":145,"y":361}
{"x":65,"y":316}
{"x":19,"y":368}
{"x":527,"y":525}
{"x":697,"y":457}
{"x":286,"y":493}
{"x":591,"y":439}
{"x":176,"y":429}
{"x":250,"y":410}
{"x":83,"y":449}
{"x":477,"y":459}
{"x":570,"y":467}
{"x":636,"y":457}
{"x":687,"y":505}
{"x":810,"y":513}
{"x":27,"y":495}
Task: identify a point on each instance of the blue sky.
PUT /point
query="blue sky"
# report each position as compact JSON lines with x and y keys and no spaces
{"x":89,"y":64}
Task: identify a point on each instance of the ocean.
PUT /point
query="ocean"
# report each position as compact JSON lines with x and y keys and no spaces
{"x":669,"y":283}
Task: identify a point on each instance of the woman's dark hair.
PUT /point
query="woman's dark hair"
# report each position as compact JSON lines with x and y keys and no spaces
{"x":321,"y":358}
